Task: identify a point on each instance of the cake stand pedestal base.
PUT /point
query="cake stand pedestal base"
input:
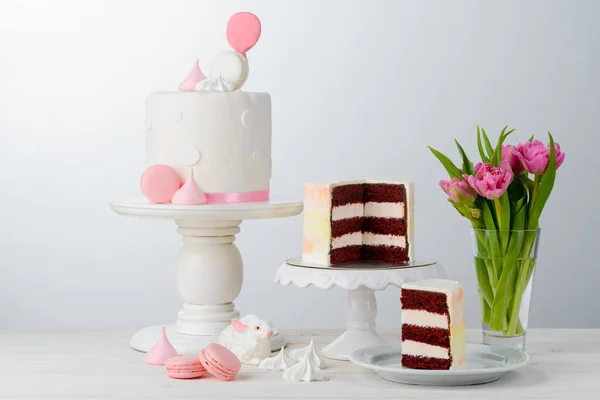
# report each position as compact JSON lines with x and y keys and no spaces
{"x":361,"y":306}
{"x":209,"y":267}
{"x":361,"y":310}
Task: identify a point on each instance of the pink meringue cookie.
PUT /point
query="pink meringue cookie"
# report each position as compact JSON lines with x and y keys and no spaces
{"x":161,"y":351}
{"x":189,"y":194}
{"x":195,"y":76}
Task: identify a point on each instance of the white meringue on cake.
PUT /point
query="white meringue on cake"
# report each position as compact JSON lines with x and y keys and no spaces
{"x":216,"y":84}
{"x":308,"y":352}
{"x":304,"y":371}
{"x":280,"y":362}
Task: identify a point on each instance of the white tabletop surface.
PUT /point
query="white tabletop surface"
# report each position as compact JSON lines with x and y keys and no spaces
{"x":99,"y":364}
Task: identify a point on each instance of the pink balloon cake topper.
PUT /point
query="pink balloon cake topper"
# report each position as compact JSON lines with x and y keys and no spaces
{"x":195,"y":76}
{"x":243,"y":31}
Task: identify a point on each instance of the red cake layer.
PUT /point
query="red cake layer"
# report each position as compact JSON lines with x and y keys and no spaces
{"x":345,"y":254}
{"x":434,"y":302}
{"x":347,"y":194}
{"x":384,"y":226}
{"x":344,"y":226}
{"x":419,"y":362}
{"x":389,"y":254}
{"x":428,"y":335}
{"x":384,"y":193}
{"x":369,"y":192}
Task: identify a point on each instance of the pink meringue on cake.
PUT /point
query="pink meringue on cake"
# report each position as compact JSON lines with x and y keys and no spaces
{"x":195,"y":76}
{"x":189,"y":194}
{"x":161,"y":351}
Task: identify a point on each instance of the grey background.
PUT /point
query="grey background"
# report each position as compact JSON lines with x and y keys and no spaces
{"x":359,"y":89}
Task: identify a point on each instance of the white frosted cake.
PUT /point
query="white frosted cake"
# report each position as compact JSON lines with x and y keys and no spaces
{"x":358,"y":220}
{"x":225,"y":137}
{"x":433,"y":325}
{"x":210,"y":142}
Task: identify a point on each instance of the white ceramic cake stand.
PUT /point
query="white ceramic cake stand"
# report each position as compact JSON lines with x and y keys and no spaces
{"x":361,"y":305}
{"x":209,"y":267}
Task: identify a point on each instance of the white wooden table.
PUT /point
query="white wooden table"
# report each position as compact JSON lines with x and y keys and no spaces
{"x":99,"y":364}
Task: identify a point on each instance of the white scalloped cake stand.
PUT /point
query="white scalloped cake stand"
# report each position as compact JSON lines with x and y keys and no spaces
{"x":209,"y":267}
{"x":361,"y":305}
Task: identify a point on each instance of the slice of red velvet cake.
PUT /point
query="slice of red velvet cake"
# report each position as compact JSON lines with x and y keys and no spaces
{"x":359,"y":220}
{"x":433,"y":325}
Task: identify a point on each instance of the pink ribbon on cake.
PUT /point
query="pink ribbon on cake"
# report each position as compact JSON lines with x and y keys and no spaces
{"x":237,"y":197}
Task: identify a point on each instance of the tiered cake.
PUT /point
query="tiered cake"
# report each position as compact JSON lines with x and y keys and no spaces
{"x":358,"y":220}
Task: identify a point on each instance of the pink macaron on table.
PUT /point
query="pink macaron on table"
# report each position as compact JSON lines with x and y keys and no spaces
{"x":184,"y":367}
{"x":215,"y":359}
{"x":220,"y":362}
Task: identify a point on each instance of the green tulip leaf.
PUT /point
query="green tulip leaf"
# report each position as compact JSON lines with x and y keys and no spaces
{"x":503,"y":297}
{"x":484,"y":157}
{"x":528,"y":183}
{"x":484,"y":281}
{"x":503,"y":218}
{"x":496,"y":158}
{"x":488,"y":145}
{"x":452,"y":169}
{"x":466,"y":163}
{"x":516,"y":190}
{"x":546,"y":184}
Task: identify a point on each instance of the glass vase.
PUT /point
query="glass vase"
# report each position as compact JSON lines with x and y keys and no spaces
{"x":505,"y":265}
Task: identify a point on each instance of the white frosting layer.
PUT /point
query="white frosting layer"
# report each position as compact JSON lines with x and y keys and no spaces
{"x":369,"y":239}
{"x":445,"y":286}
{"x":372,"y":239}
{"x":424,"y":318}
{"x":222,"y":130}
{"x":347,"y":211}
{"x":350,"y":239}
{"x":413,"y":348}
{"x":384,"y":210}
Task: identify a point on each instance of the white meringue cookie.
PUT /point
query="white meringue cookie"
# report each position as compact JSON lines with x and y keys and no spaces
{"x":280,"y":362}
{"x":217,"y":84}
{"x":309,"y":352}
{"x":304,"y":371}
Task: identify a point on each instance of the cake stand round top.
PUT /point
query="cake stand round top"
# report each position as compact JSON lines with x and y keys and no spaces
{"x":237,"y":211}
{"x":355,"y":275}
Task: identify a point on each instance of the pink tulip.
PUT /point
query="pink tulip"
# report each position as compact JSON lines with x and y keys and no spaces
{"x":509,"y":155}
{"x":534,"y":156}
{"x":458,"y":190}
{"x":489,"y":181}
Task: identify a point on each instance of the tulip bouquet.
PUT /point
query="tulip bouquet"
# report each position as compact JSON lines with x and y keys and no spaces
{"x":503,"y":197}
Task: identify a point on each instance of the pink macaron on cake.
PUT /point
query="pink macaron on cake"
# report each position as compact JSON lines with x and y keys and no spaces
{"x":220,"y":362}
{"x":184,"y":367}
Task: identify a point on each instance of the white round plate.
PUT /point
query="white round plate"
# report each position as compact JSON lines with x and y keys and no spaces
{"x":484,"y":364}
